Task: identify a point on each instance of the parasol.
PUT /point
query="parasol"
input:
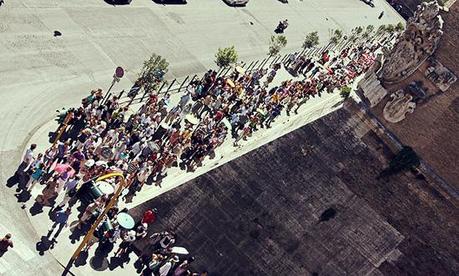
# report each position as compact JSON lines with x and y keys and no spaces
{"x":125,"y":220}
{"x":105,"y":187}
{"x":101,"y":163}
{"x":179,"y":250}
{"x":239,"y":69}
{"x":88,"y":164}
{"x":192,"y":119}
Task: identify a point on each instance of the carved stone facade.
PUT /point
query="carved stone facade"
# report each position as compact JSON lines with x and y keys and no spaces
{"x":415,"y":45}
{"x":400,"y":104}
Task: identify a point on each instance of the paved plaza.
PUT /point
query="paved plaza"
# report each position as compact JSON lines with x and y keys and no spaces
{"x":40,"y":73}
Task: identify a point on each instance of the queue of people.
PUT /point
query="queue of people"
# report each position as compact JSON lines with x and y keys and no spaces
{"x":103,"y":137}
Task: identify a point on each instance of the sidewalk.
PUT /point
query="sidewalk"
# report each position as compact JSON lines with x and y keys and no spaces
{"x":63,"y":249}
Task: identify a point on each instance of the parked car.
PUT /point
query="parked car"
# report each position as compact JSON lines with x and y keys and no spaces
{"x":171,"y":1}
{"x":120,"y":2}
{"x":236,"y":2}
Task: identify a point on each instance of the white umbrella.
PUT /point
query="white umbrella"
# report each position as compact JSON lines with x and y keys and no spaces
{"x":101,"y":163}
{"x":179,"y":250}
{"x":192,"y":119}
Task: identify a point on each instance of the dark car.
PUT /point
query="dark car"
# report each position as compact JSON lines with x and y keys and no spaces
{"x":170,"y":1}
{"x":236,"y":2}
{"x":119,"y":2}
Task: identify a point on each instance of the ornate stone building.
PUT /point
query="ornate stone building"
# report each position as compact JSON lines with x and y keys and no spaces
{"x":415,"y":45}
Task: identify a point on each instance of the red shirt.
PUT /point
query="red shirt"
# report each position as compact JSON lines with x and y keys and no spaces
{"x":149,"y":217}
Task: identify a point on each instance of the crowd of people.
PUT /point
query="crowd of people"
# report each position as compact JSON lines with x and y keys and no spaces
{"x":101,"y":137}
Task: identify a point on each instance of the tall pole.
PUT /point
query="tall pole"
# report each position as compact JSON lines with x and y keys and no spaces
{"x":63,"y":127}
{"x":109,"y":205}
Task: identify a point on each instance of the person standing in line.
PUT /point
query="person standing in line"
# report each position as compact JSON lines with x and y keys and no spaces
{"x":27,"y":158}
{"x":5,"y":243}
{"x":35,"y":177}
{"x":70,"y":191}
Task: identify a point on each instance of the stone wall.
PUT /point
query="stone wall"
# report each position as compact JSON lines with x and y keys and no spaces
{"x":433,"y":126}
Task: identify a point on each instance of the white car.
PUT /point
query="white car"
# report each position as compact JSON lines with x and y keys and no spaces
{"x":236,"y":2}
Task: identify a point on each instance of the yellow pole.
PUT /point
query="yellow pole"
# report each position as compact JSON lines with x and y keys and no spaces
{"x":110,"y":204}
{"x":63,"y":128}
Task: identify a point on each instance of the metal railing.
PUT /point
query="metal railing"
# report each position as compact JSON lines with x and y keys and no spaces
{"x":176,"y":86}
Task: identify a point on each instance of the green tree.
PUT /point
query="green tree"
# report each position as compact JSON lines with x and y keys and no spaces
{"x":381,"y":29}
{"x":311,"y":40}
{"x":276,"y":44}
{"x":337,"y":35}
{"x":370,"y":29}
{"x":358,"y":30}
{"x":345,"y":92}
{"x":226,"y":56}
{"x":399,"y":27}
{"x":390,"y":28}
{"x":153,"y":71}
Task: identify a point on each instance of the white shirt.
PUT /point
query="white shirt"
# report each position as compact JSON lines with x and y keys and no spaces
{"x":28,"y":156}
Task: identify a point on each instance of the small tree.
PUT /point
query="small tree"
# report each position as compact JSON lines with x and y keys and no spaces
{"x":399,"y":27}
{"x":226,"y":56}
{"x":311,"y":40}
{"x":153,"y":71}
{"x":381,"y":29}
{"x":390,"y":28}
{"x":276,"y":44}
{"x":337,"y":35}
{"x":370,"y":29}
{"x":345,"y":92}
{"x":358,"y":30}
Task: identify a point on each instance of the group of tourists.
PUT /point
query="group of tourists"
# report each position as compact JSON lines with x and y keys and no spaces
{"x":102,"y":136}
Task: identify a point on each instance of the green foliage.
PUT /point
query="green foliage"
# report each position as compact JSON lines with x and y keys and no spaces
{"x":153,"y":71}
{"x":226,"y":56}
{"x":399,"y":27}
{"x":381,"y":29}
{"x":370,"y":28}
{"x":337,"y":35}
{"x":358,"y":30}
{"x":368,"y":31}
{"x":311,"y":40}
{"x":345,"y":92}
{"x":390,"y":28}
{"x":276,"y":44}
